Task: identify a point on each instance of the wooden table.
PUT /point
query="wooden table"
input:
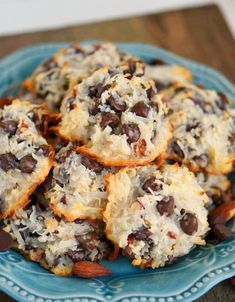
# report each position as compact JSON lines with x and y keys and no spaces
{"x":197,"y":33}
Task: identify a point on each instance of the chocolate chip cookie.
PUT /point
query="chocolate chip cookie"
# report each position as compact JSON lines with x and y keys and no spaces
{"x":204,"y":128}
{"x":77,"y":186}
{"x":25,"y":156}
{"x":154,"y":215}
{"x":117,"y":115}
{"x":54,"y":243}
{"x":53,"y":78}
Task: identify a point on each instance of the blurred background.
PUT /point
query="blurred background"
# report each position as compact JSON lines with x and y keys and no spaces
{"x":202,"y":30}
{"x":29,"y":15}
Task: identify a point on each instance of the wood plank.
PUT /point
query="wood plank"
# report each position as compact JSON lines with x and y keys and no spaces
{"x":198,"y":33}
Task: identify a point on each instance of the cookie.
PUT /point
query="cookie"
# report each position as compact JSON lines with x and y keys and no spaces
{"x":54,"y":243}
{"x":165,"y":75}
{"x":118,"y":117}
{"x":25,"y":156}
{"x":77,"y":186}
{"x":154,"y":215}
{"x":217,"y":188}
{"x":204,"y":128}
{"x":54,"y":77}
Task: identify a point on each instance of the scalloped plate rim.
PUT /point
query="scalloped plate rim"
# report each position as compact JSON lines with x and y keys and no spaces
{"x":13,"y":58}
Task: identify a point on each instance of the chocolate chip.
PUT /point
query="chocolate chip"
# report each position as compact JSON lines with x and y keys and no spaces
{"x":9,"y":126}
{"x":5,"y":241}
{"x":91,"y":164}
{"x":171,"y":260}
{"x":142,"y":233}
{"x":150,"y":93}
{"x":223,"y":101}
{"x":189,"y":223}
{"x":131,"y":69}
{"x":189,"y":127}
{"x":222,"y":232}
{"x":116,"y":105}
{"x":63,"y":199}
{"x":157,"y":61}
{"x":176,"y":149}
{"x":96,"y":91}
{"x":151,"y":183}
{"x":49,"y":64}
{"x":44,"y":149}
{"x":95,"y":107}
{"x":202,"y":160}
{"x":8,"y":161}
{"x":166,"y":206}
{"x":109,"y":119}
{"x":88,"y":241}
{"x":27,"y":164}
{"x":160,"y":85}
{"x":132,"y":132}
{"x":77,"y":255}
{"x":199,"y":100}
{"x":141,"y":109}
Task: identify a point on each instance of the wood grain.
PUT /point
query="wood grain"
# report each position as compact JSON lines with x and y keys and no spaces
{"x":197,"y":33}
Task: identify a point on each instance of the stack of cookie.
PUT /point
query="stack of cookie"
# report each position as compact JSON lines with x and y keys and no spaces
{"x":140,"y":156}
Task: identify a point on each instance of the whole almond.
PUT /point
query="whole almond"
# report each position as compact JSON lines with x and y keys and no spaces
{"x":226,"y":209}
{"x":232,"y":281}
{"x":88,"y":269}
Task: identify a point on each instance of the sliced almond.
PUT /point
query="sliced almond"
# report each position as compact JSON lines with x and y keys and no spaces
{"x":88,"y":269}
{"x":226,"y":209}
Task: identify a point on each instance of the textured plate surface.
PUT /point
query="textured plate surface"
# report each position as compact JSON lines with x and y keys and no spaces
{"x":185,"y":281}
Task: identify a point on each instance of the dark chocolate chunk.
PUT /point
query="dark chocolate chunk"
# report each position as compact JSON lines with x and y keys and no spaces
{"x":77,"y":255}
{"x":9,"y":126}
{"x":157,"y":61}
{"x":63,"y":199}
{"x":166,"y":205}
{"x":142,"y":233}
{"x":141,"y":109}
{"x":27,"y":164}
{"x":151,"y":183}
{"x":91,"y":164}
{"x":116,"y":105}
{"x":109,"y":119}
{"x":189,"y":223}
{"x":150,"y":92}
{"x":96,"y":91}
{"x":44,"y":149}
{"x":223,"y":101}
{"x":132,"y":132}
{"x":95,"y":107}
{"x":8,"y":161}
{"x":88,"y":241}
{"x":202,"y":160}
{"x":176,"y":149}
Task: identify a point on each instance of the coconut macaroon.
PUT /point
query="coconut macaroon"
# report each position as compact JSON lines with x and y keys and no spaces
{"x":217,"y":188}
{"x":53,"y":78}
{"x":77,"y":186}
{"x":25,"y":156}
{"x":154,"y":215}
{"x":54,"y":243}
{"x":204,"y":128}
{"x":165,"y":75}
{"x":118,"y":117}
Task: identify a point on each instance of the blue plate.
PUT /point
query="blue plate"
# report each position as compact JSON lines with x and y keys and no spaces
{"x":187,"y":280}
